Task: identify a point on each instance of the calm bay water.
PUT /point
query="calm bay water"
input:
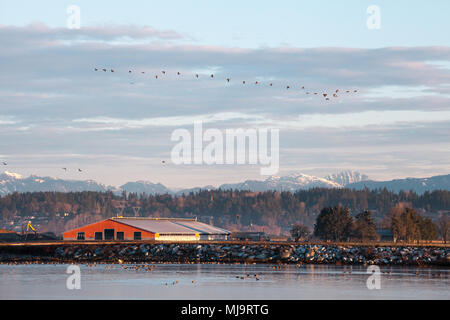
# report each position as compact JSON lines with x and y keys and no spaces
{"x":174,"y":281}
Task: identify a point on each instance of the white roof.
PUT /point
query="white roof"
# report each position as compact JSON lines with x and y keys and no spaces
{"x":183,"y":226}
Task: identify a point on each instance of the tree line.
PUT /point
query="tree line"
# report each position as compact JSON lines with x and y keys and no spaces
{"x":336,"y":224}
{"x":226,"y":208}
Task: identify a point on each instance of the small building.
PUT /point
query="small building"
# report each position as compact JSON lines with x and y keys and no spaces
{"x":385,"y":235}
{"x":249,"y":235}
{"x":160,"y":229}
{"x":9,"y":236}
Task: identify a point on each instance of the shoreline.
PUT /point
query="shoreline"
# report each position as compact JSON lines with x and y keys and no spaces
{"x":224,"y":253}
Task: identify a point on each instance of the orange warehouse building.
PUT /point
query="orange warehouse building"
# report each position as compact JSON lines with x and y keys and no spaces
{"x":162,"y":229}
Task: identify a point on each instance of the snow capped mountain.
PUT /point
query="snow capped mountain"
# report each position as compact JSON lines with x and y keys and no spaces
{"x":418,"y":185}
{"x":194,"y":190}
{"x":346,"y":177}
{"x":11,"y":175}
{"x":145,"y":187}
{"x":11,"y":182}
{"x":292,"y":182}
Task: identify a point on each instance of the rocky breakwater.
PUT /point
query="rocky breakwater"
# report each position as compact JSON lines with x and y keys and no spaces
{"x":233,"y":253}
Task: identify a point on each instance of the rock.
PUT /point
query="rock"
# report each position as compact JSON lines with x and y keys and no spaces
{"x":285,"y":254}
{"x":60,"y":252}
{"x":143,"y":249}
{"x":98,"y":251}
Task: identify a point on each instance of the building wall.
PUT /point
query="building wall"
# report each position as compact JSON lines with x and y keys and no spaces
{"x":214,"y":237}
{"x":128,"y":231}
{"x":171,"y":237}
{"x":89,"y":231}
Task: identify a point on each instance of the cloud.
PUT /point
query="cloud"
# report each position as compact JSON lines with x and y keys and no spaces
{"x":7,"y":120}
{"x":168,"y":121}
{"x":304,"y":121}
{"x":365,"y":119}
{"x":51,"y":98}
{"x":40,"y":33}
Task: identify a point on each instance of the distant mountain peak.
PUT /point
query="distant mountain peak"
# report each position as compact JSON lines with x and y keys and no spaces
{"x":143,"y":186}
{"x":291,"y":182}
{"x":13,"y":182}
{"x":13,"y":175}
{"x":418,"y":185}
{"x":346,"y":177}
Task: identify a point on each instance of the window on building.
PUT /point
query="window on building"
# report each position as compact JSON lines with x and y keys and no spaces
{"x":98,"y":236}
{"x":119,"y":235}
{"x":109,"y":234}
{"x":137,"y":236}
{"x":80,"y":236}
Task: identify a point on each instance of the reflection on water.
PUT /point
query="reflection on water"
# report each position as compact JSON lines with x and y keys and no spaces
{"x":203,"y":281}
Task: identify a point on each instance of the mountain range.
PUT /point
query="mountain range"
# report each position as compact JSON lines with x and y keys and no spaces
{"x":11,"y":182}
{"x":418,"y":185}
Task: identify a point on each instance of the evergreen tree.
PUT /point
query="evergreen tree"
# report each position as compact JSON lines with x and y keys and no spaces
{"x":334,"y":223}
{"x":365,"y":227}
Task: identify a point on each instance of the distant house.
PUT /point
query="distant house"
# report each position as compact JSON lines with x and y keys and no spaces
{"x":252,"y":236}
{"x":385,"y":235}
{"x":159,"y":229}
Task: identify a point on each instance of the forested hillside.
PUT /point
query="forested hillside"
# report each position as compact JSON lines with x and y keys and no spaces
{"x":273,"y":210}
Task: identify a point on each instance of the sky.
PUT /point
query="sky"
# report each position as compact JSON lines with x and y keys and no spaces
{"x":56,"y":111}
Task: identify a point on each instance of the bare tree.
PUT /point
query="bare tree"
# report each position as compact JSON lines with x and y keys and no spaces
{"x":300,"y":232}
{"x":443,"y":226}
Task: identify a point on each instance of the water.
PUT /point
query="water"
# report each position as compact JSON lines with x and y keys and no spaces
{"x":221,"y":282}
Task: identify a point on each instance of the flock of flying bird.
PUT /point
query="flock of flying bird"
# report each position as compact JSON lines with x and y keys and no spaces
{"x":163,"y":73}
{"x":65,"y":169}
{"x":228,"y":79}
